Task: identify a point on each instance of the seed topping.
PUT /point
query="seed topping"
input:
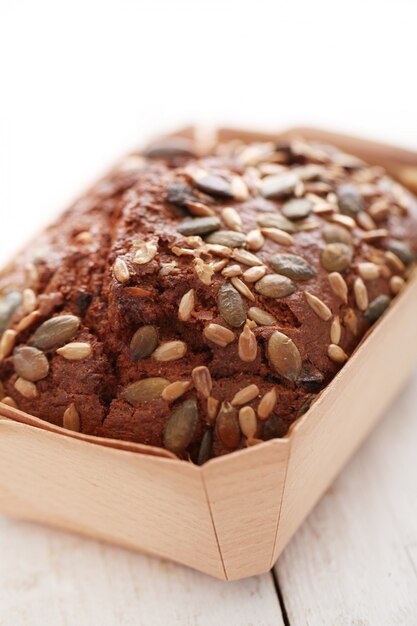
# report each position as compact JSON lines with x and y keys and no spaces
{"x":219,"y":335}
{"x":292,"y":266}
{"x":181,"y":427}
{"x":231,"y":305}
{"x":170,"y":351}
{"x":248,"y":347}
{"x":202,"y":380}
{"x":227,"y":426}
{"x":284,"y":356}
{"x":144,"y":390}
{"x":318,"y":306}
{"x":275,"y":286}
{"x":71,"y":419}
{"x":55,"y":332}
{"x":336,"y":257}
{"x":186,"y":306}
{"x":75,"y":351}
{"x":30,"y":363}
{"x":247,"y":394}
{"x":143,"y":342}
{"x":145,"y":253}
{"x":26,"y":388}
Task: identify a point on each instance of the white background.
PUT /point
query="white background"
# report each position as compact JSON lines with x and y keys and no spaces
{"x":82,"y":82}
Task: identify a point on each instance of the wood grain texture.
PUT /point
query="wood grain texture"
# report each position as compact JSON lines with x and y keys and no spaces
{"x":52,"y":578}
{"x":324,"y":439}
{"x":354,"y":560}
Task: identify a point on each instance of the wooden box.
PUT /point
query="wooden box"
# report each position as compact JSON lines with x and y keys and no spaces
{"x":232,"y":517}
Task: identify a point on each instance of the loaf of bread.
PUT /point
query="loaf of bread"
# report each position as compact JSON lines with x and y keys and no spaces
{"x":201,"y":302}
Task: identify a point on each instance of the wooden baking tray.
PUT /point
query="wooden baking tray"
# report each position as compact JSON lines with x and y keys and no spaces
{"x":232,"y":517}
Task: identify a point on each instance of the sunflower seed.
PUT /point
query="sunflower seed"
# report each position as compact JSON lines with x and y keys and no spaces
{"x":121,"y":270}
{"x":350,"y":320}
{"x":239,"y":189}
{"x":9,"y":402}
{"x":254,"y":273}
{"x":336,"y":330}
{"x":297,"y":209}
{"x":175,"y":390}
{"x":143,"y":342}
{"x":8,"y":305}
{"x":318,"y":306}
{"x":394,"y":261}
{"x":284,"y":356}
{"x":30,"y":363}
{"x":202,"y":380}
{"x":26,"y":388}
{"x":336,"y":354}
{"x":275,"y":286}
{"x":181,"y":426}
{"x":402,"y":250}
{"x":247,"y":422}
{"x":27,"y":321}
{"x":371,"y":235}
{"x":219,"y":335}
{"x":228,"y":238}
{"x":368,"y":271}
{"x":379,"y":209}
{"x":242,"y":288}
{"x":336,"y":257}
{"x":203,"y":271}
{"x":144,"y":390}
{"x":7,"y":342}
{"x":279,"y":236}
{"x":212,"y":408}
{"x":218,"y":266}
{"x":170,"y":351}
{"x":245,"y":257}
{"x":255,"y":240}
{"x":217,"y":250}
{"x":186,"y":306}
{"x":199,"y":226}
{"x":276,"y":220}
{"x":232,"y":219}
{"x":247,"y":394}
{"x":261,"y":317}
{"x":182,"y":251}
{"x":338,"y":286}
{"x":227,"y":426}
{"x":248,"y":347}
{"x":332,"y":233}
{"x":199,"y":209}
{"x":292,"y":266}
{"x":28,"y":300}
{"x":396,"y":284}
{"x":343,"y":220}
{"x":278,"y":185}
{"x":84,"y":238}
{"x":267,"y":404}
{"x":361,"y":294}
{"x":206,"y":446}
{"x":214,"y":186}
{"x":349,"y":199}
{"x":231,"y":305}
{"x":71,"y":419}
{"x":75,"y":351}
{"x":55,"y":332}
{"x":232,"y":270}
{"x":145,"y":253}
{"x":365,"y":221}
{"x":376,"y":308}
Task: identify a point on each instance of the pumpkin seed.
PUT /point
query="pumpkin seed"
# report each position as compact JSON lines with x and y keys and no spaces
{"x":206,"y":446}
{"x":333,"y":233}
{"x":170,"y":351}
{"x":219,"y":335}
{"x":30,"y":363}
{"x":276,"y":220}
{"x":297,"y":209}
{"x":144,"y":342}
{"x":275,"y":286}
{"x":199,"y":226}
{"x":175,"y":390}
{"x":376,"y":308}
{"x":318,"y":306}
{"x":336,"y":257}
{"x":227,"y":426}
{"x":248,"y":347}
{"x":292,"y":266}
{"x":75,"y":351}
{"x":336,"y":353}
{"x":267,"y":404}
{"x":349,"y":199}
{"x":274,"y":427}
{"x":7,"y":342}
{"x":26,"y":388}
{"x":231,"y":305}
{"x":144,"y":390}
{"x":228,"y":238}
{"x":71,"y":419}
{"x":214,"y":186}
{"x":55,"y":332}
{"x":279,"y":185}
{"x":261,"y":317}
{"x":338,"y":286}
{"x":8,"y":305}
{"x":402,"y":250}
{"x":181,"y":427}
{"x":284,"y":356}
{"x":247,"y":422}
{"x":247,"y":394}
{"x":202,"y":380}
{"x":179,"y":193}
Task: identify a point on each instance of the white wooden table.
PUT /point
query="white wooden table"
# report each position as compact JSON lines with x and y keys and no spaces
{"x":353,"y":562}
